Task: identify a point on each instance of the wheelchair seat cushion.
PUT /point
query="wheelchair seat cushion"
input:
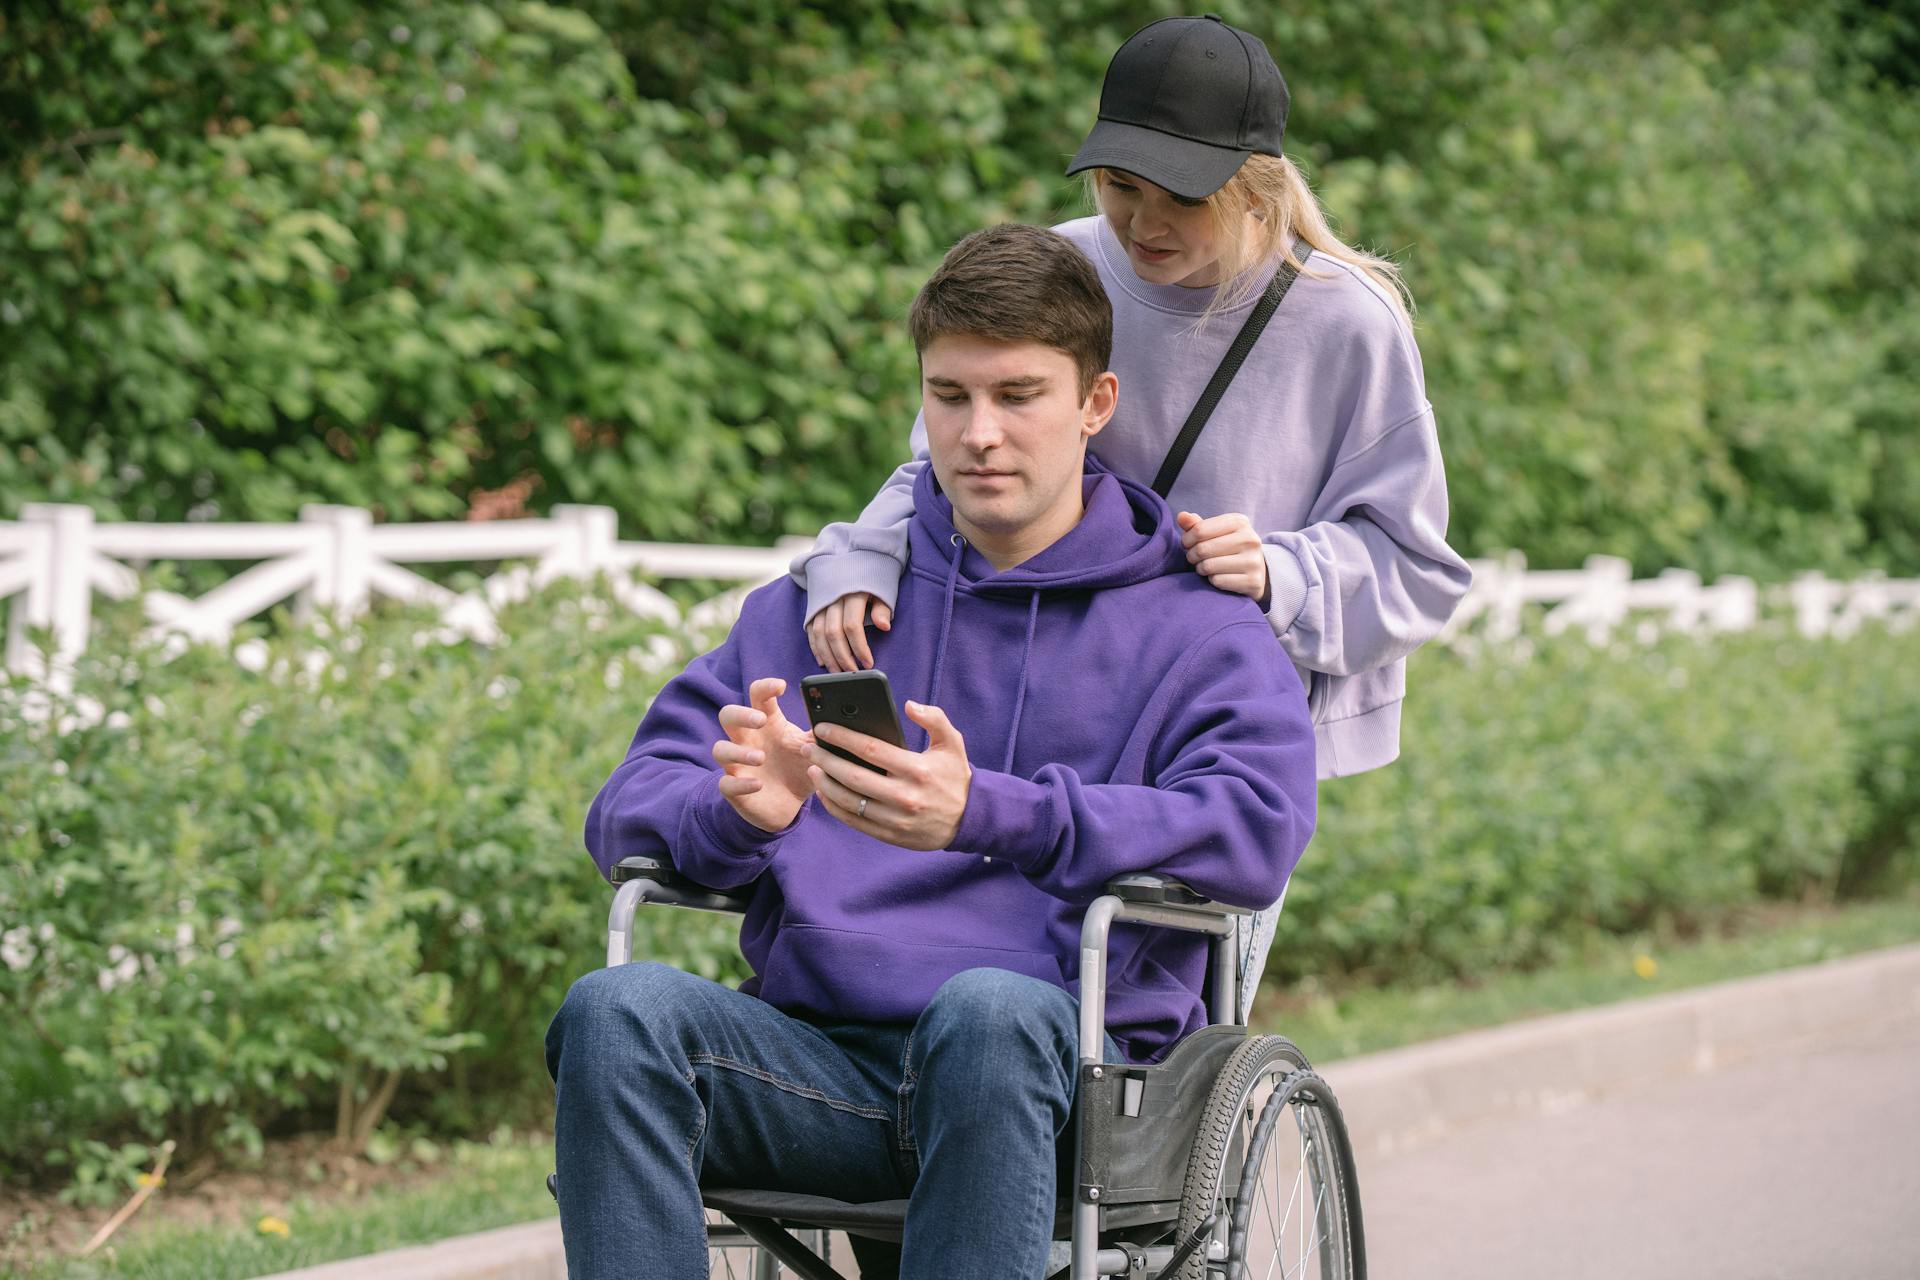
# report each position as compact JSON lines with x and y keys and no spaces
{"x":879,"y":1219}
{"x":813,"y":1211}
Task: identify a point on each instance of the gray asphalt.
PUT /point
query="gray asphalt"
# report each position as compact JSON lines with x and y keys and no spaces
{"x":1802,"y":1163}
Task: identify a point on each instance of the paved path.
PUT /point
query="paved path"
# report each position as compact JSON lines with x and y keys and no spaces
{"x":1802,"y":1162}
{"x":1578,"y":1145}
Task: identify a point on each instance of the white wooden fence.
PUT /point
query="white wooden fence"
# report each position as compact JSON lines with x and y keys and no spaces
{"x":1604,"y":597}
{"x":336,"y":559}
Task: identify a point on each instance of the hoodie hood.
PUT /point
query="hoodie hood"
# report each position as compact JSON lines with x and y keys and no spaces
{"x":1124,"y":537}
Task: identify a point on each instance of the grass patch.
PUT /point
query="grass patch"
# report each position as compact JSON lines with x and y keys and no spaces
{"x":1331,"y":1022}
{"x":477,"y":1186}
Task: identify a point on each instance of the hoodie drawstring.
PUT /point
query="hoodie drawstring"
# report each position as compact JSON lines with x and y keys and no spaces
{"x":1020,"y":699}
{"x":946,"y":622}
{"x":940,"y":650}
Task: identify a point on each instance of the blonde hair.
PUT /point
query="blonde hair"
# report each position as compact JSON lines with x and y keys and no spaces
{"x":1274,"y":187}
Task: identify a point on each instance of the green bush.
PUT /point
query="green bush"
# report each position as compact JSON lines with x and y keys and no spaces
{"x":351,"y":883}
{"x":1585,"y":790}
{"x":454,"y":263}
{"x":232,"y":901}
{"x":429,"y":257}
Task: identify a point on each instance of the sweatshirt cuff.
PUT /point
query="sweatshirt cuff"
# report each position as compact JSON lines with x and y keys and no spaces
{"x":1006,"y":817}
{"x":831,"y":576}
{"x":1286,"y":585}
{"x":729,"y":834}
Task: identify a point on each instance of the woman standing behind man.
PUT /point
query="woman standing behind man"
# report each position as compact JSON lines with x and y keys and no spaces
{"x":1320,"y":465}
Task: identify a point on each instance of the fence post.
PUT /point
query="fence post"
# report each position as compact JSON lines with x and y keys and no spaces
{"x":59,"y":592}
{"x":1685,"y":603}
{"x":1596,"y":601}
{"x":1509,"y":602}
{"x":1813,"y":600}
{"x":33,"y":604}
{"x":346,"y":555}
{"x":592,"y":536}
{"x":1734,"y":604}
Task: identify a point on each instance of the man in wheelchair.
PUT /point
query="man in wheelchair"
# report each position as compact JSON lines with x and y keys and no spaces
{"x":1086,"y":705}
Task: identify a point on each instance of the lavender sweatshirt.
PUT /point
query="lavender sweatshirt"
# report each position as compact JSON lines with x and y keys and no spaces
{"x":1325,"y":441}
{"x":1119,"y":716}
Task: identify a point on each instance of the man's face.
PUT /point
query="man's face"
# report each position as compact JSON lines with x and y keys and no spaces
{"x":1007,"y":429}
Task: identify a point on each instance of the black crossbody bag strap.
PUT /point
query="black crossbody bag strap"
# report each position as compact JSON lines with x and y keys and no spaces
{"x":1229,"y":365}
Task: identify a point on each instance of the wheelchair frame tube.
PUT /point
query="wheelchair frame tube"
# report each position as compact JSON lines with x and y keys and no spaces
{"x":1093,"y":1023}
{"x":627,"y":899}
{"x":1226,"y":964}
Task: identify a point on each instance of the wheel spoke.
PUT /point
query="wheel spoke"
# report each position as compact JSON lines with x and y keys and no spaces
{"x":1276,"y":1226}
{"x":1300,"y":1170}
{"x":1300,"y":1125}
{"x":1316,"y":1152}
{"x":1277,"y":1217}
{"x":1303,"y":1220}
{"x":1293,"y":1192}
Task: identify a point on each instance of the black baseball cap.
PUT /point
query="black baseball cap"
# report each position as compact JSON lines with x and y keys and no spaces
{"x":1185,"y":102}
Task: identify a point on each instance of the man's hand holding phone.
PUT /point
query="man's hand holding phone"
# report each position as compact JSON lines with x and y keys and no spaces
{"x":917,"y":803}
{"x":764,"y":758}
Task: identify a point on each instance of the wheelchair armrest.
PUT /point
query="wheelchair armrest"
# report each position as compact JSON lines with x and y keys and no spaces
{"x":669,"y":888}
{"x":1164,"y":891}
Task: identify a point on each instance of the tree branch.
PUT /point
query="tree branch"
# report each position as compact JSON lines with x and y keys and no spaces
{"x":376,"y":1110}
{"x":148,"y":1185}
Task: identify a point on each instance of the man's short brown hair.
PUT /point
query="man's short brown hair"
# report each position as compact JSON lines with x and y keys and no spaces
{"x":1015,"y":283}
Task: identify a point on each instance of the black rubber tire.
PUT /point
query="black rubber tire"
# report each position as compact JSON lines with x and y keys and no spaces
{"x":1214,"y":1146}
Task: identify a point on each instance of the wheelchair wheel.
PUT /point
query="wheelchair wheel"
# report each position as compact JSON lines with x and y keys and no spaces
{"x":742,"y":1261}
{"x":1272,"y":1166}
{"x":732,"y":1254}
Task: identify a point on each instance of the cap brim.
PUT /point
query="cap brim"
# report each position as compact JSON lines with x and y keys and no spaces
{"x":1187,"y":168}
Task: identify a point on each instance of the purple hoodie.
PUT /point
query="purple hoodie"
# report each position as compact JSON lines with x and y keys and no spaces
{"x":1120,"y":715}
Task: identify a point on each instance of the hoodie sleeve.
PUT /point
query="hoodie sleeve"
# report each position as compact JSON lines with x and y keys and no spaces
{"x":1229,"y":813}
{"x":664,"y":800}
{"x":871,"y":553}
{"x":1371,"y":577}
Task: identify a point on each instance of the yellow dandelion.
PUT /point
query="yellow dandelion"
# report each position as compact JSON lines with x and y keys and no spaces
{"x":272,"y":1226}
{"x":1645,"y":965}
{"x":151,"y":1180}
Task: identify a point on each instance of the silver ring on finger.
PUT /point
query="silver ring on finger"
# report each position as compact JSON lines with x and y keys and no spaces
{"x":861,"y":812}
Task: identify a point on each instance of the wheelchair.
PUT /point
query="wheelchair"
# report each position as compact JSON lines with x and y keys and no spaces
{"x":1228,"y":1159}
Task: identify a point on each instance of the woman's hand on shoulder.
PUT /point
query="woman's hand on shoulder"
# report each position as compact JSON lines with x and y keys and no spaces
{"x":1226,"y":550}
{"x":838,"y":633}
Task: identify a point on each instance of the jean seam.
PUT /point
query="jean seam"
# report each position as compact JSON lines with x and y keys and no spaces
{"x":693,"y":1140}
{"x":790,"y":1086}
{"x":903,"y":1129}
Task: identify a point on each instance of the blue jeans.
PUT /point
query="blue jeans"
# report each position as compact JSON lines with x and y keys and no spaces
{"x":667,"y":1081}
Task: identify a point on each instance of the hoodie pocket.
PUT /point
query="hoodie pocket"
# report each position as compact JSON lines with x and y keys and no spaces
{"x":869,"y":977}
{"x":1319,"y":694}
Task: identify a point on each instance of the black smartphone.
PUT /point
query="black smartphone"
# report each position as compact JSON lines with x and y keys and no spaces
{"x":858,"y":700}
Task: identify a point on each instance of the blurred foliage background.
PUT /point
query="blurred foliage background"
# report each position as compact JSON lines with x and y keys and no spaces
{"x":436,"y":258}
